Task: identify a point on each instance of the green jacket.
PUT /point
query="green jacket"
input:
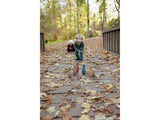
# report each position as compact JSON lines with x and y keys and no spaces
{"x":79,"y":47}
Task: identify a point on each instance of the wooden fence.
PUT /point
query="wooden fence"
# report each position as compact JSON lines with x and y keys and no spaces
{"x":111,"y":40}
{"x":42,"y":44}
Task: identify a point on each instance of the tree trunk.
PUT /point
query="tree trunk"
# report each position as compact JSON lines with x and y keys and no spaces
{"x":88,"y":18}
{"x":102,"y":22}
{"x":54,"y":21}
{"x":77,"y":19}
{"x":75,"y":22}
{"x":105,"y":15}
{"x":70,"y":14}
{"x":94,"y":25}
{"x":117,"y":8}
{"x":61,"y":21}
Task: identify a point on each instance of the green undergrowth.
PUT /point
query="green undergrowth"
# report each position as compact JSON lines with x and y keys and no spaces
{"x":58,"y":41}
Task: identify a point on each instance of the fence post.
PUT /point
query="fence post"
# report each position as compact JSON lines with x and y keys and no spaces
{"x":103,"y":39}
{"x":113,"y":40}
{"x":118,"y":41}
{"x":42,"y":44}
{"x":106,"y":41}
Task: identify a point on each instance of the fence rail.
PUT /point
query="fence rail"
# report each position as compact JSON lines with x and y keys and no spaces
{"x":42,"y":44}
{"x":111,"y":40}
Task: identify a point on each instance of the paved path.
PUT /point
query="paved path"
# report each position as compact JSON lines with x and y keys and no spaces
{"x":83,"y":97}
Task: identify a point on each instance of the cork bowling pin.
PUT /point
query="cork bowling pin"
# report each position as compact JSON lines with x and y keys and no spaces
{"x":69,"y":73}
{"x":77,"y":68}
{"x":91,"y":72}
{"x":74,"y":70}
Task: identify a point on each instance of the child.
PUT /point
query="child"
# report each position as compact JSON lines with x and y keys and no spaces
{"x":79,"y":47}
{"x":70,"y":46}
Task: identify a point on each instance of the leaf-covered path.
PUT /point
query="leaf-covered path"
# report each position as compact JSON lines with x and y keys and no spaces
{"x":80,"y":97}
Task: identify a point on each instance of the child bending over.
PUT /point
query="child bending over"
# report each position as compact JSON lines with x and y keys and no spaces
{"x":79,"y":47}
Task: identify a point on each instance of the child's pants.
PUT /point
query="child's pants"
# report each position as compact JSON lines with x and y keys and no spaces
{"x":77,"y":55}
{"x":71,"y":50}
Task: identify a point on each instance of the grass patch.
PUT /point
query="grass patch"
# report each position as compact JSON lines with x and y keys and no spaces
{"x":58,"y":41}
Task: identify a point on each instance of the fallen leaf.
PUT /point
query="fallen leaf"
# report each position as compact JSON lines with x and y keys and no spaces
{"x":41,"y":76}
{"x":67,"y":117}
{"x":96,"y":112}
{"x":57,"y":114}
{"x":100,"y":116}
{"x":43,"y":107}
{"x":103,"y":110}
{"x":48,"y":102}
{"x":65,"y":108}
{"x":86,"y":107}
{"x":112,"y":61}
{"x":116,"y":100}
{"x":118,"y":65}
{"x":73,"y":119}
{"x":97,"y":99}
{"x":107,"y":86}
{"x":55,"y":84}
{"x":78,"y":87}
{"x":84,"y":117}
{"x":118,"y":106}
{"x":93,"y":92}
{"x":47,"y":117}
{"x":51,"y":109}
{"x":86,"y":81}
{"x":65,"y":94}
{"x":86,"y":110}
{"x":79,"y":100}
{"x":110,"y":109}
{"x":52,"y":89}
{"x":43,"y":95}
{"x":117,"y":115}
{"x":110,"y":118}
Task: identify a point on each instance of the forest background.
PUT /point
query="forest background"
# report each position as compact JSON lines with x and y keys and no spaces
{"x":62,"y":20}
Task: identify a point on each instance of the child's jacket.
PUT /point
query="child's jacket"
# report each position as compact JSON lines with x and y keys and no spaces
{"x":70,"y":49}
{"x":79,"y":47}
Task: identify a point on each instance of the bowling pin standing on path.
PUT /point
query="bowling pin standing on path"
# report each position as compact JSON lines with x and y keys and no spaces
{"x":91,"y":72}
{"x":69,"y":73}
{"x":77,"y":68}
{"x":83,"y":70}
{"x":74,"y":70}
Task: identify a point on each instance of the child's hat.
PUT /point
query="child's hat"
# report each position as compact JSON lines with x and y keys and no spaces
{"x":79,"y":37}
{"x":70,"y":41}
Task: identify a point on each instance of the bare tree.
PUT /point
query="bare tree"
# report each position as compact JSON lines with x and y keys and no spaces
{"x":117,"y":6}
{"x":88,"y":18}
{"x":77,"y":19}
{"x":102,"y":9}
{"x":94,"y":27}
